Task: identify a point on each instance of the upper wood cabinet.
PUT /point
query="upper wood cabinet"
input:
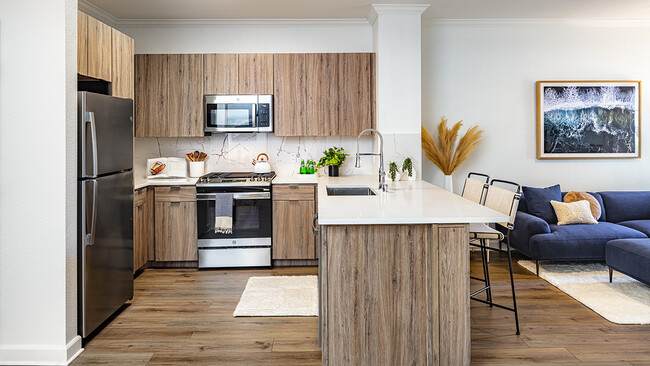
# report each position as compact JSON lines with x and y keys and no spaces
{"x":82,"y":43}
{"x":255,"y":73}
{"x":221,"y":74}
{"x":356,"y":93}
{"x":322,"y":94}
{"x":122,"y":62}
{"x":290,"y":95}
{"x":150,"y":95}
{"x":99,"y":49}
{"x":169,"y":95}
{"x":185,"y":95}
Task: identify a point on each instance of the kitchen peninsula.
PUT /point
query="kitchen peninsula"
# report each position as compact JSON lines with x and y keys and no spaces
{"x":394,"y":273}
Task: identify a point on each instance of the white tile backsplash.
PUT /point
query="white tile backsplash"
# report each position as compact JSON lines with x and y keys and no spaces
{"x":236,"y":151}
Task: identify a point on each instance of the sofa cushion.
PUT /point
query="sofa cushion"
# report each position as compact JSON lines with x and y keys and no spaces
{"x":575,"y":196}
{"x":578,"y":242}
{"x":626,"y":206}
{"x":578,"y":212}
{"x":598,"y":198}
{"x":538,"y":201}
{"x":639,"y":225}
{"x":630,"y":256}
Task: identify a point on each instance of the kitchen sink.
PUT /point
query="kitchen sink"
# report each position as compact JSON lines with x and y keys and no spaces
{"x":350,"y":191}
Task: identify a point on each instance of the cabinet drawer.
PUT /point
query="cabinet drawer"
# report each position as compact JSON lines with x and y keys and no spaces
{"x":140,"y":197}
{"x":293,"y":192}
{"x":175,"y":194}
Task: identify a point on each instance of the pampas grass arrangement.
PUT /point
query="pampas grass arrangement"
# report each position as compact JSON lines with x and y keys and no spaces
{"x":443,"y":153}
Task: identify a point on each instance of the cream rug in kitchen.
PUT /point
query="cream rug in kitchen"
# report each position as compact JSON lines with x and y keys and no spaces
{"x":279,"y":296}
{"x":624,"y":301}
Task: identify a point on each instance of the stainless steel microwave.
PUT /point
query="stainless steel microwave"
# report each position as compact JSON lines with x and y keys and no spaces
{"x":238,"y":113}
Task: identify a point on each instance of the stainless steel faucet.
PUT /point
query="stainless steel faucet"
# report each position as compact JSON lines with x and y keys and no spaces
{"x":382,"y":173}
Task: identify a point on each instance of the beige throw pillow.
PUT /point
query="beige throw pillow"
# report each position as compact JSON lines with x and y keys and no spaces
{"x":575,"y":196}
{"x":573,"y":213}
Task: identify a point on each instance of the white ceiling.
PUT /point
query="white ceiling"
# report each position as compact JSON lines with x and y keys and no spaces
{"x":329,"y":9}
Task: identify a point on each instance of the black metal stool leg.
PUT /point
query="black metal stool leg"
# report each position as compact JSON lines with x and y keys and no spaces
{"x":512,"y":284}
{"x":487,"y":273}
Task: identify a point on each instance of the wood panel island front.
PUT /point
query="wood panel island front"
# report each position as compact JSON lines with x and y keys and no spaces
{"x":394,"y":274}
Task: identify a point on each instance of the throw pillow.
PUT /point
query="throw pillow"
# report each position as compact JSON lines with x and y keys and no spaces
{"x":575,"y":196}
{"x":573,"y":213}
{"x":538,"y":201}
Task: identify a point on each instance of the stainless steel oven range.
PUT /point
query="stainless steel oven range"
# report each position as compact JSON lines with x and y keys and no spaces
{"x":249,"y":245}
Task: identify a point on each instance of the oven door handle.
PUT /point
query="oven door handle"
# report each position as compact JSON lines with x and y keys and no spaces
{"x":236,"y":196}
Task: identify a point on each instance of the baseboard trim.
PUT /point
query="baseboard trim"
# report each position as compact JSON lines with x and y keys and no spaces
{"x":31,"y":355}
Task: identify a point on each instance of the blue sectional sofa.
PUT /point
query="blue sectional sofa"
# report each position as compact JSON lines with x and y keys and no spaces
{"x":625,"y":215}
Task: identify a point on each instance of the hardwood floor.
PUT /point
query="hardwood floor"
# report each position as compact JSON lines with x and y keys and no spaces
{"x":184,"y":316}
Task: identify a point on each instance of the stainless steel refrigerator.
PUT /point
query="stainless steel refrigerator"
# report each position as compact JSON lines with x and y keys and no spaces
{"x":105,"y":211}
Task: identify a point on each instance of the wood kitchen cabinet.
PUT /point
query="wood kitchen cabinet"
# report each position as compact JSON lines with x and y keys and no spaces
{"x":143,"y":227}
{"x":169,"y":95}
{"x":255,"y":73}
{"x":175,"y":224}
{"x":356,"y":106}
{"x":82,"y":43}
{"x":322,"y":86}
{"x":122,"y":60}
{"x":293,"y":210}
{"x":99,"y":49}
{"x":290,"y":94}
{"x":221,"y":74}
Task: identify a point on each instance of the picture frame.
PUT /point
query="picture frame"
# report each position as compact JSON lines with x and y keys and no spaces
{"x":588,"y":119}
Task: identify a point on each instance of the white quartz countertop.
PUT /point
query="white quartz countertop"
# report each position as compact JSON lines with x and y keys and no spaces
{"x":144,"y":182}
{"x":296,"y":179}
{"x":406,"y":202}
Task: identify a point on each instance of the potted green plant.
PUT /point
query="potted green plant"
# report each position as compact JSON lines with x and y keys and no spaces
{"x":393,"y":174}
{"x":333,"y":158}
{"x":407,"y":169}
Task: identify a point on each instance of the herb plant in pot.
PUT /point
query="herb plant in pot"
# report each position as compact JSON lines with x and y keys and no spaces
{"x":333,"y":158}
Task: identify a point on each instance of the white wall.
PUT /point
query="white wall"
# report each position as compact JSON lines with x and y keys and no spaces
{"x":260,"y":37}
{"x":37,"y":182}
{"x":484,"y":72}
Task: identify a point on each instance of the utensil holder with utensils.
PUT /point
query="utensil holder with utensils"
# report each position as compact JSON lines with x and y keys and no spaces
{"x":197,"y":168}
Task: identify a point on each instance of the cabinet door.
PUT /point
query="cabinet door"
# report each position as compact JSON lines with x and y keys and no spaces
{"x":99,"y":50}
{"x":322,"y":94}
{"x":151,"y":96}
{"x":292,"y":233}
{"x":185,"y":96}
{"x":175,"y":231}
{"x":255,"y":73}
{"x":122,"y":64}
{"x":140,"y":220}
{"x":356,"y":89}
{"x":221,"y":74}
{"x":290,"y":95}
{"x":82,"y":43}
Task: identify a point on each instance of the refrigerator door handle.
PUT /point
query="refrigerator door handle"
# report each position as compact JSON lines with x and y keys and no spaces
{"x":90,"y":237}
{"x":90,"y":118}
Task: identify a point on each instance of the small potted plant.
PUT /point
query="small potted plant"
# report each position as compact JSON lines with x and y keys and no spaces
{"x":393,"y":174}
{"x":407,"y":169}
{"x":333,"y":158}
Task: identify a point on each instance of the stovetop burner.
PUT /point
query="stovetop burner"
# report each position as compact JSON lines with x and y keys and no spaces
{"x":236,"y":178}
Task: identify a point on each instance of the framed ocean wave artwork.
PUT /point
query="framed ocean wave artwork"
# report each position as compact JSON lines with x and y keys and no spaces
{"x":588,"y":119}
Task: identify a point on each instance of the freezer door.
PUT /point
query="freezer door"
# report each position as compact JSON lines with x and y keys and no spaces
{"x":105,"y":134}
{"x":106,"y":247}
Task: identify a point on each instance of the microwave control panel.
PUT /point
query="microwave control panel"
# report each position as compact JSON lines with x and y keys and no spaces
{"x":263,"y":112}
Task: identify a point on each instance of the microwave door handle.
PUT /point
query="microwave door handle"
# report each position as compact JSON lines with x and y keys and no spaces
{"x":254,"y":110}
{"x":90,"y":119}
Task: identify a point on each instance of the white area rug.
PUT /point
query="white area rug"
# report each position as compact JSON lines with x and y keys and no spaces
{"x":279,"y":296}
{"x":624,"y":301}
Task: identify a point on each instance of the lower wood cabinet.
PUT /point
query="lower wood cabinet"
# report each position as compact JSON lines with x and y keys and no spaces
{"x":175,"y":224}
{"x":143,"y":227}
{"x":294,"y":207}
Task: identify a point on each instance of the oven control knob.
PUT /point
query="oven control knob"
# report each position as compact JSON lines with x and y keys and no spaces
{"x":234,"y":242}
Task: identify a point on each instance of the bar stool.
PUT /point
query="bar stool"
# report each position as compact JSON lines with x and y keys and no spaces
{"x":505,"y":201}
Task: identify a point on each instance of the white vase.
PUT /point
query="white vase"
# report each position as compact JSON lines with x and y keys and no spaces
{"x":405,"y":174}
{"x":448,"y":184}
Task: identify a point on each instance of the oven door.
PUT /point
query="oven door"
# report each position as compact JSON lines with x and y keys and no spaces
{"x":231,"y":113}
{"x":251,"y":224}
